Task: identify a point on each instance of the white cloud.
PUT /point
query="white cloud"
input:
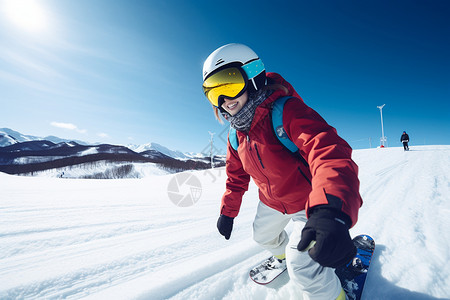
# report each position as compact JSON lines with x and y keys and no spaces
{"x":64,"y":125}
{"x":103,"y":135}
{"x":68,"y":126}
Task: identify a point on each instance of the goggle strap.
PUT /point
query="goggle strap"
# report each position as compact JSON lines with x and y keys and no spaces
{"x":253,"y":69}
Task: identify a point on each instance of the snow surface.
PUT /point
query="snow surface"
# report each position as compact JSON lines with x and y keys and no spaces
{"x":139,"y":170}
{"x":34,"y":159}
{"x":125,"y":239}
{"x":89,"y":151}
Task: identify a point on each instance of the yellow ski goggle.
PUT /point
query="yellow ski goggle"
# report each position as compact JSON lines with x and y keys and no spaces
{"x":229,"y":82}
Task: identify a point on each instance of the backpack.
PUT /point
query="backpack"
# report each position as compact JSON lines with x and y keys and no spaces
{"x":277,"y":123}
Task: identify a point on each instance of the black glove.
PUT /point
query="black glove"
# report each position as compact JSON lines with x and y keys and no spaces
{"x":329,"y":228}
{"x":225,"y":226}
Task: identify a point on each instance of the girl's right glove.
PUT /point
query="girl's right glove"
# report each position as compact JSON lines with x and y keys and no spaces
{"x":225,"y":226}
{"x":333,"y":245}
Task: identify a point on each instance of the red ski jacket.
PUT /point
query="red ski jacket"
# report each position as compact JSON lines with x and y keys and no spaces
{"x":325,"y":176}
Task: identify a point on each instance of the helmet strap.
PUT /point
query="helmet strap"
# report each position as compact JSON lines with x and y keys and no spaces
{"x":254,"y":84}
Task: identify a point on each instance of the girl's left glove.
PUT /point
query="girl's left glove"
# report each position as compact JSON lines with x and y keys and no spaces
{"x":333,"y":245}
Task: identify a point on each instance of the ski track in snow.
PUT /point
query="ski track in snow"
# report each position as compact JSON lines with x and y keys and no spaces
{"x":124,"y":239}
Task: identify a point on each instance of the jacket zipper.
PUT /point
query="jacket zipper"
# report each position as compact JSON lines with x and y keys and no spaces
{"x":262,"y":165}
{"x":304,"y":175}
{"x":255,"y":163}
{"x":259,"y":157}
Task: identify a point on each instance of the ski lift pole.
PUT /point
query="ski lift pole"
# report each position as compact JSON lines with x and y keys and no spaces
{"x":211,"y":151}
{"x":382,"y":127}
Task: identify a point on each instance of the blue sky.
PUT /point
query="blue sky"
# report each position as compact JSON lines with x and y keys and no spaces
{"x":126,"y":72}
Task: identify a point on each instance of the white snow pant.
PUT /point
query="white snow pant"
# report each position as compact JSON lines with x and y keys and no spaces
{"x":317,"y":282}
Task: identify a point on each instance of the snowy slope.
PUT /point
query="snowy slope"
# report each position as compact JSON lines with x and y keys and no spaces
{"x":125,"y":239}
{"x":138,"y":170}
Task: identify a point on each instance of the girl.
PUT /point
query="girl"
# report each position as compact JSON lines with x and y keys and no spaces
{"x":317,"y":187}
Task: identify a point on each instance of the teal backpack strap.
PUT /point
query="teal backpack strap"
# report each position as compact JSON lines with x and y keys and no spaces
{"x":232,"y":137}
{"x":277,"y":122}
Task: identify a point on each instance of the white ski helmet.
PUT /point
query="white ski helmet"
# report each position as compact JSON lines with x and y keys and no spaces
{"x":241,"y":55}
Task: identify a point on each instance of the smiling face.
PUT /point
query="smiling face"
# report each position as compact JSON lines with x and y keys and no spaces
{"x":235,"y":105}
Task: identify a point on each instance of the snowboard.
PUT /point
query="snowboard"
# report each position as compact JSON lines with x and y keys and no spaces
{"x":353,"y":275}
{"x":267,"y":271}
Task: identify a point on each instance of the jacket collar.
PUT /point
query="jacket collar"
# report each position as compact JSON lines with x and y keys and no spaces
{"x":264,"y":108}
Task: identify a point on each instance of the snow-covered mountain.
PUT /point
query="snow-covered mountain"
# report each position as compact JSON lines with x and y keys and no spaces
{"x":44,"y":157}
{"x":6,"y":139}
{"x":160,"y":148}
{"x":9,"y":137}
{"x":125,"y":239}
{"x":30,"y":155}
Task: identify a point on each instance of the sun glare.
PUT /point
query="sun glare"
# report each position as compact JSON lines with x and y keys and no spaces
{"x":26,"y":14}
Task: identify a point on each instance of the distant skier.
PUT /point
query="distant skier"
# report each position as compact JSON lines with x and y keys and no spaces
{"x":405,"y":139}
{"x":317,"y":187}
